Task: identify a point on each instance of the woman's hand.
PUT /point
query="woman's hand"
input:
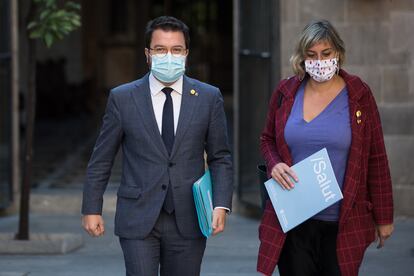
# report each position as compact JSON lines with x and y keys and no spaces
{"x":282,"y":173}
{"x":382,"y":233}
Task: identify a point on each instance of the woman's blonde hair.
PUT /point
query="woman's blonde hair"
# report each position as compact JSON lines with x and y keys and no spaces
{"x":316,"y":31}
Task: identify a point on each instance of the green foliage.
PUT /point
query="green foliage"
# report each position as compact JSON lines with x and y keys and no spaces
{"x":52,"y":22}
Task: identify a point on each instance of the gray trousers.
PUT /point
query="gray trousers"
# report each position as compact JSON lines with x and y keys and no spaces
{"x":164,"y":250}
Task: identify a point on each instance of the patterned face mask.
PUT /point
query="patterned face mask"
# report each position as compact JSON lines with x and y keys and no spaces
{"x":321,"y":70}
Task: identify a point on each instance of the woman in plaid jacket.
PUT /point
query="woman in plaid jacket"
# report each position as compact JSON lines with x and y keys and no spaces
{"x":324,"y":106}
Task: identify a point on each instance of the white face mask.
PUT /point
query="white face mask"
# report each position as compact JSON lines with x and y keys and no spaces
{"x":321,"y":70}
{"x":168,"y":68}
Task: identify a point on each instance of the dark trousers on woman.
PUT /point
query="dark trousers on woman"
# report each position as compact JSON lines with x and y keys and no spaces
{"x":310,"y":250}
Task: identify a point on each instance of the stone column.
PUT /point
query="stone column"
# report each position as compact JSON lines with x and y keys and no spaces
{"x":15,"y":98}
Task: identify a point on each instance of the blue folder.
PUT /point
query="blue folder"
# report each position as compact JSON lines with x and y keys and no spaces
{"x":316,"y":190}
{"x":203,"y":199}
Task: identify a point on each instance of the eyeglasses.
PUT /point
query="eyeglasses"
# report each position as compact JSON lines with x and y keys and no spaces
{"x":175,"y":51}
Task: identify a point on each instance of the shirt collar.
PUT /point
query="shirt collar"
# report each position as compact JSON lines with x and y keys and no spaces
{"x":156,"y":86}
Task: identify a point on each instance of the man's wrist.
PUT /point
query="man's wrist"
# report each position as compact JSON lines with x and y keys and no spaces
{"x":228,"y":211}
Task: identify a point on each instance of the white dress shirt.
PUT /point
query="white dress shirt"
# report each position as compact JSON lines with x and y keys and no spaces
{"x":158,"y":99}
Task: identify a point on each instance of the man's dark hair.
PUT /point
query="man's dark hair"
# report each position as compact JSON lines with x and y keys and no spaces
{"x":166,"y":23}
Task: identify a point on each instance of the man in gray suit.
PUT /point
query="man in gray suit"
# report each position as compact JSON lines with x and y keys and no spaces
{"x":164,"y":123}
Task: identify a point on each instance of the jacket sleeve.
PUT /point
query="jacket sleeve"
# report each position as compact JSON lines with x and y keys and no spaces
{"x":100,"y":164}
{"x":219,"y":156}
{"x":268,"y":146}
{"x":378,"y":177}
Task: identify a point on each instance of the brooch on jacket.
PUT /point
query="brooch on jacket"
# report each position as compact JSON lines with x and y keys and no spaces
{"x":193,"y":92}
{"x":358,"y":115}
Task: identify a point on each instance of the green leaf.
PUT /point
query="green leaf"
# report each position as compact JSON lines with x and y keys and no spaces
{"x":50,"y":3}
{"x":53,"y":22}
{"x":72,"y":5}
{"x":59,"y":34}
{"x":44,"y":14}
{"x":35,"y":34}
{"x":53,"y":26}
{"x":32,"y":25}
{"x":76,"y":22}
{"x":64,"y":24}
{"x":60,"y":13}
{"x":48,"y":39}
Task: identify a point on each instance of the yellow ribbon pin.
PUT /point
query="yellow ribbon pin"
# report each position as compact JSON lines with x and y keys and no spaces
{"x":358,"y":115}
{"x":193,"y":92}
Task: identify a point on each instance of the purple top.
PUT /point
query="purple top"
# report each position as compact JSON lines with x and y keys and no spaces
{"x":331,"y":129}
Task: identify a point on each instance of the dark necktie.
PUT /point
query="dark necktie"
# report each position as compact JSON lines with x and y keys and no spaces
{"x":168,"y":136}
{"x":167,"y":131}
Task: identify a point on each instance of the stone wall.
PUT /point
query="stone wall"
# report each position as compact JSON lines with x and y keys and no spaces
{"x":379,"y":40}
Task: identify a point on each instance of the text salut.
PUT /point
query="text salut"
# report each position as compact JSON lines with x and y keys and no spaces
{"x":319,"y":168}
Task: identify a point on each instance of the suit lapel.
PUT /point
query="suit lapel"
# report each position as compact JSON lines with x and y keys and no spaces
{"x":188,"y":104}
{"x":142,"y":98}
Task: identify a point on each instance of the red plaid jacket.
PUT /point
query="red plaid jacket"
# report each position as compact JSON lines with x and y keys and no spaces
{"x":367,"y":186}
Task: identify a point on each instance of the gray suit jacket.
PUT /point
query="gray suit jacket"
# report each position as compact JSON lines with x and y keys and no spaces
{"x":129,"y":122}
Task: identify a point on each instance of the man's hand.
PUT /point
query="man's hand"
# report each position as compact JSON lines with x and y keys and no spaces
{"x":383,"y":232}
{"x":219,"y":220}
{"x":94,"y":225}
